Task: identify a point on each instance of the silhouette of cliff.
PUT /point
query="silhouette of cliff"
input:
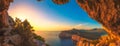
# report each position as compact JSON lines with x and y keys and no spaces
{"x":16,"y":33}
{"x":91,"y":34}
{"x":106,"y":12}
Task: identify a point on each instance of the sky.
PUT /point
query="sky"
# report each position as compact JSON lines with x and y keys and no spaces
{"x":47,"y":16}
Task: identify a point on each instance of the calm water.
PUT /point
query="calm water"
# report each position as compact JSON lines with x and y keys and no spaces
{"x":52,"y":38}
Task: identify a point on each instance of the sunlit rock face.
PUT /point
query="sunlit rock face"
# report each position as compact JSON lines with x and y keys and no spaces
{"x":4,"y":23}
{"x":102,"y":41}
{"x":81,"y":41}
{"x":4,"y":5}
{"x":9,"y":34}
{"x":78,"y":40}
{"x":60,"y":1}
{"x":106,"y":12}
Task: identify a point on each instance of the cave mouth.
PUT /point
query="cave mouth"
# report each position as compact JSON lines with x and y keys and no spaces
{"x":52,"y":15}
{"x":58,"y":24}
{"x":70,"y":20}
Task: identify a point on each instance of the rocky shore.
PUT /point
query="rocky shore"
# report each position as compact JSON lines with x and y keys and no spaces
{"x":83,"y":37}
{"x":15,"y":32}
{"x":106,"y":12}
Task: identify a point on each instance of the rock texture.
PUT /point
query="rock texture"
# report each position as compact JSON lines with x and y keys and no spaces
{"x":103,"y":41}
{"x":4,"y":5}
{"x":5,"y":23}
{"x":5,"y":27}
{"x":106,"y":12}
{"x":65,"y":35}
{"x":60,"y":1}
{"x":81,"y":41}
{"x":93,"y":37}
{"x":91,"y":34}
{"x":15,"y":33}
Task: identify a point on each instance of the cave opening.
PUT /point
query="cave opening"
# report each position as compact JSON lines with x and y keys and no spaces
{"x":59,"y":25}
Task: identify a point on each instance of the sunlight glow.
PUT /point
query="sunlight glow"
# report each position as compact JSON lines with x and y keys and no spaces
{"x":36,"y":18}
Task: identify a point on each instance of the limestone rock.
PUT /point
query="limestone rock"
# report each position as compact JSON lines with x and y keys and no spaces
{"x":9,"y":36}
{"x":16,"y":39}
{"x":106,"y":12}
{"x":4,"y":5}
{"x":60,"y":1}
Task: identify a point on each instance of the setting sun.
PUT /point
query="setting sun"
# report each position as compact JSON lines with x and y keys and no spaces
{"x":36,"y":19}
{"x":59,"y":23}
{"x":44,"y":18}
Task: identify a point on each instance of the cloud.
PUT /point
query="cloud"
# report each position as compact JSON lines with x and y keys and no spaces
{"x":82,"y":26}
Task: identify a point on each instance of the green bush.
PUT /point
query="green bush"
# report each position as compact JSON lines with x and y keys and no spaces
{"x":38,"y":37}
{"x":25,"y":30}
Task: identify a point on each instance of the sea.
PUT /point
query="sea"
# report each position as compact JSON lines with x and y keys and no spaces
{"x":52,"y":38}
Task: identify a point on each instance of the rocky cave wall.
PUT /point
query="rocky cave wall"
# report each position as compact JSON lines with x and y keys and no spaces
{"x":9,"y":34}
{"x":106,"y":12}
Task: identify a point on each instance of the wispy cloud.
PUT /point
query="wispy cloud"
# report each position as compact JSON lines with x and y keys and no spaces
{"x":82,"y":26}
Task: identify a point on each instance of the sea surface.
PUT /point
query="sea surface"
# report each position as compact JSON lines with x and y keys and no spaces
{"x":52,"y":38}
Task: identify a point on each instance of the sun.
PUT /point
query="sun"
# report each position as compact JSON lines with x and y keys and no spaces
{"x":25,"y":11}
{"x":36,"y":18}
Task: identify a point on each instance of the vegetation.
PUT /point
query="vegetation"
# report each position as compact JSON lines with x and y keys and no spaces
{"x":47,"y":45}
{"x":38,"y":37}
{"x":25,"y":30}
{"x":60,"y":1}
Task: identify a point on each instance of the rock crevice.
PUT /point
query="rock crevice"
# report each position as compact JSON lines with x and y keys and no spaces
{"x":106,"y":12}
{"x":16,"y":33}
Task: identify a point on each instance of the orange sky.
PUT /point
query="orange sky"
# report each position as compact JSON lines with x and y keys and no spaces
{"x":38,"y":20}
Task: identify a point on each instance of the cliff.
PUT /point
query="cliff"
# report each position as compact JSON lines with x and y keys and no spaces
{"x":16,"y":33}
{"x":105,"y":40}
{"x":93,"y":37}
{"x":65,"y":35}
{"x":106,"y":12}
{"x":81,"y":41}
{"x":92,"y":34}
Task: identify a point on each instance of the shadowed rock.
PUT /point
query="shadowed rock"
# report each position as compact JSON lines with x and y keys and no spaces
{"x":60,"y":1}
{"x":10,"y":33}
{"x":4,"y":5}
{"x":106,"y":12}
